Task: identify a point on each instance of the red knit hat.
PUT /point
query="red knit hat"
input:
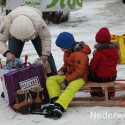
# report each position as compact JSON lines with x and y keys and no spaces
{"x":103,"y":35}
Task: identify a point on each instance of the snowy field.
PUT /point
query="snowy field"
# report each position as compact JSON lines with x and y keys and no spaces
{"x":83,"y":24}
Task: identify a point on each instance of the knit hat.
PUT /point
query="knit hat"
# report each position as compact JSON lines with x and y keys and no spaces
{"x":103,"y":35}
{"x":65,"y":40}
{"x":22,"y":28}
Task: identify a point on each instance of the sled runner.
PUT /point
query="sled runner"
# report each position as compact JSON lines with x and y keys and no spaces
{"x":119,"y":87}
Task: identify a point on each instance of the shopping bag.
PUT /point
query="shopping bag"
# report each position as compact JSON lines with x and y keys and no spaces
{"x":25,"y":78}
{"x":121,"y":42}
{"x":6,"y":67}
{"x":2,"y":72}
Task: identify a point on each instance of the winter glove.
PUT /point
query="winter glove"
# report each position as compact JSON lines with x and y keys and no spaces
{"x":64,"y":85}
{"x":46,"y":65}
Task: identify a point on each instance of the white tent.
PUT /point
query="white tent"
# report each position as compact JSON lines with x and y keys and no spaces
{"x":47,"y":5}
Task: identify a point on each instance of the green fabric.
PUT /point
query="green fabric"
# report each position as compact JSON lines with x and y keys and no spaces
{"x":65,"y":97}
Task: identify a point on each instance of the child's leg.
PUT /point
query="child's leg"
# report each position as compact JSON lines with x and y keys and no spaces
{"x":66,"y":97}
{"x":53,"y":85}
{"x":112,"y":91}
{"x":54,"y":90}
{"x":96,"y":91}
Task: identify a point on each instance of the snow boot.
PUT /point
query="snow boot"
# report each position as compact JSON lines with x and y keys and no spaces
{"x":97,"y":92}
{"x":46,"y":109}
{"x":55,"y":112}
{"x":37,"y":97}
{"x":53,"y":100}
{"x":21,"y":105}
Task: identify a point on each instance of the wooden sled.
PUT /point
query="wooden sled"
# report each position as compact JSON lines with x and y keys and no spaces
{"x":89,"y":101}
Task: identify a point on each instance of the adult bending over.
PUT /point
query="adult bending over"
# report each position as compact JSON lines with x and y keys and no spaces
{"x":21,"y":25}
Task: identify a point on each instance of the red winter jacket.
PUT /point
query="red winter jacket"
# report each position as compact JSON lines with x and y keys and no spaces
{"x":105,"y":60}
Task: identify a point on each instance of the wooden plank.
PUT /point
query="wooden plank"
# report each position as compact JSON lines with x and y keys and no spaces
{"x":106,"y":94}
{"x":120,"y":80}
{"x":119,"y":85}
{"x":89,"y":90}
{"x":90,"y":104}
{"x":94,"y":84}
{"x":108,"y":84}
{"x":97,"y":98}
{"x":88,"y":98}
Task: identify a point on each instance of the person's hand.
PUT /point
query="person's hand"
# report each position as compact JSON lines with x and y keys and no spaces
{"x":43,"y":58}
{"x":10,"y":56}
{"x":60,"y":73}
{"x":63,"y":87}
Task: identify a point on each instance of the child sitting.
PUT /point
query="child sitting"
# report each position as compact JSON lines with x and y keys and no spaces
{"x":104,"y":62}
{"x":71,"y":77}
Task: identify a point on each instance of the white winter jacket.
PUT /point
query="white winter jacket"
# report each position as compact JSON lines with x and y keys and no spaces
{"x":40,"y":26}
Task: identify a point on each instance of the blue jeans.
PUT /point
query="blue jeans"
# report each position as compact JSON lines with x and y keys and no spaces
{"x":16,"y":47}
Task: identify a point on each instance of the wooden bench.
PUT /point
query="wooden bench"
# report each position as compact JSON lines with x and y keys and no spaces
{"x":119,"y":86}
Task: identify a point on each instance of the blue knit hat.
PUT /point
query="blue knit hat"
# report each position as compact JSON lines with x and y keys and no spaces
{"x":65,"y":40}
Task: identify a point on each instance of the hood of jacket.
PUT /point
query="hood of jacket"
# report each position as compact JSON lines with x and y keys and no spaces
{"x":108,"y":49}
{"x":82,"y":47}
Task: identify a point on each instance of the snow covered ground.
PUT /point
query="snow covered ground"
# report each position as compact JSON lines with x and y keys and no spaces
{"x":83,"y":24}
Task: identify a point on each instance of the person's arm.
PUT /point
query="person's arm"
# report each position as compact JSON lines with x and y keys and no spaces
{"x":4,"y":34}
{"x":62,"y":70}
{"x":95,"y":61}
{"x":81,"y":61}
{"x":45,"y":38}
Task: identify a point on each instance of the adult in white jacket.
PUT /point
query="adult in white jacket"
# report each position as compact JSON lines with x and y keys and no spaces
{"x":21,"y":25}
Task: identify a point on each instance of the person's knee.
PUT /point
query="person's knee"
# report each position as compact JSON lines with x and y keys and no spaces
{"x":81,"y":82}
{"x":50,"y":80}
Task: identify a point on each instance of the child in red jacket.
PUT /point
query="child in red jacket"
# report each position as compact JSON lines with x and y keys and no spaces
{"x":104,"y":62}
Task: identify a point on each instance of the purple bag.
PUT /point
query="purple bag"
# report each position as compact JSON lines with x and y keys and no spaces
{"x":25,"y":78}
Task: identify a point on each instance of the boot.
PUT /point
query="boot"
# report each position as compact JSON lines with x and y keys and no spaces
{"x":55,"y":111}
{"x":97,"y":92}
{"x":37,"y":97}
{"x":53,"y":100}
{"x":47,"y":108}
{"x":21,"y":105}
